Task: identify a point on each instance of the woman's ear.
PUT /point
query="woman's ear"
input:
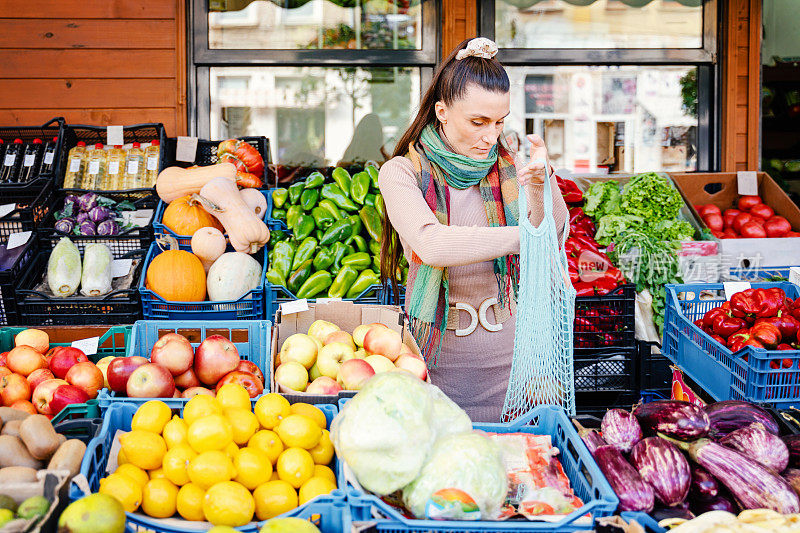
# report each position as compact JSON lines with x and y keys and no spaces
{"x":441,"y":112}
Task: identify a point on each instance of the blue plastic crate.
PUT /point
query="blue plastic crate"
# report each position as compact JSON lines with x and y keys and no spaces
{"x":278,"y":294}
{"x":273,"y":223}
{"x":759,"y":273}
{"x":645,"y":520}
{"x":248,"y":307}
{"x":745,"y":375}
{"x":251,"y":338}
{"x":584,"y":475}
{"x":118,"y":417}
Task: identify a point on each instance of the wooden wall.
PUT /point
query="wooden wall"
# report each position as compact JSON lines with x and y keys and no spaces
{"x":459,"y":22}
{"x":93,"y":61}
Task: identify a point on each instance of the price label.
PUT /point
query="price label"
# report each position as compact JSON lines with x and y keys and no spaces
{"x":297,"y":306}
{"x":48,"y":158}
{"x":121,"y":267}
{"x":15,"y":240}
{"x":74,"y":164}
{"x":114,"y":136}
{"x":10,"y":160}
{"x":794,"y":275}
{"x":133,"y":166}
{"x":732,"y":287}
{"x":152,"y":163}
{"x":113,"y":167}
{"x":747,"y":183}
{"x":87,"y":346}
{"x":6,"y":209}
{"x":29,"y":159}
{"x":186,"y":149}
{"x":94,"y":167}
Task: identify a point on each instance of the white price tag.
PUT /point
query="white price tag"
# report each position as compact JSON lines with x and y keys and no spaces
{"x":133,"y":166}
{"x":87,"y":346}
{"x":186,"y":149}
{"x":74,"y":164}
{"x":48,"y":158}
{"x":15,"y":240}
{"x":6,"y":209}
{"x":121,"y":267}
{"x":794,"y":275}
{"x":113,"y":167}
{"x":152,"y":163}
{"x":747,"y":183}
{"x":297,"y":306}
{"x":94,"y":167}
{"x":10,"y":160}
{"x":732,"y":287}
{"x":114,"y":136}
{"x":29,"y":159}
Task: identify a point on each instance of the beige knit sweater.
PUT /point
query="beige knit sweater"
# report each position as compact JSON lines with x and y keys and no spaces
{"x":472,"y":370}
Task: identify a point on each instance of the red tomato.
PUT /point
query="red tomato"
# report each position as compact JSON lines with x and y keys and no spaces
{"x":762,"y":210}
{"x":728,"y":216}
{"x":708,"y":209}
{"x":716,"y":233}
{"x":758,"y":220}
{"x":793,"y":234}
{"x":746,"y":202}
{"x":753,"y":230}
{"x":777,"y":227}
{"x":729,"y":234}
{"x":740,"y":220}
{"x":714,"y":221}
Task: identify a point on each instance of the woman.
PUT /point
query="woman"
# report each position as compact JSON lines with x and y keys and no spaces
{"x":451,"y":195}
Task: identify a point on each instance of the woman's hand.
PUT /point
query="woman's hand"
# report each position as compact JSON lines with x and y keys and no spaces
{"x":533,"y":173}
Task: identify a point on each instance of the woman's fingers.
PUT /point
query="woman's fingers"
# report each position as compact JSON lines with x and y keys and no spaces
{"x":538,"y":149}
{"x":533,"y":172}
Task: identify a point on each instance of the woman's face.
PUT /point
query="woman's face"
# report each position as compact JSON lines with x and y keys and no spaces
{"x":472,"y":124}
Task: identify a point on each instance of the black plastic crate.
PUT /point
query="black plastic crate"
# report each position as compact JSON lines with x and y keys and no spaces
{"x":55,"y":128}
{"x":130,"y":240}
{"x":83,"y":429}
{"x":37,"y":308}
{"x":207,"y":154}
{"x":597,"y":403}
{"x":29,"y":212}
{"x":655,"y":374}
{"x":9,"y":280}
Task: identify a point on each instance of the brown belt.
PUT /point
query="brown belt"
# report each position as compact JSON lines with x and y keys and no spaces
{"x":478,"y":316}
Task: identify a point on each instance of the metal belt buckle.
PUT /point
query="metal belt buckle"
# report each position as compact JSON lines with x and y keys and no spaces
{"x":477,"y":317}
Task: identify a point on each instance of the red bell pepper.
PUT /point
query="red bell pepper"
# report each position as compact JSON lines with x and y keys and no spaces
{"x":783,"y":363}
{"x":766,"y":334}
{"x":784,"y":347}
{"x":583,"y":288}
{"x":605,"y":285}
{"x":725,"y":325}
{"x":756,"y":303}
{"x":589,"y":244}
{"x":615,"y":274}
{"x":699,"y":323}
{"x":718,"y":339}
{"x":583,"y":325}
{"x":571,"y":193}
{"x":786,"y":324}
{"x":575,"y":214}
{"x":574,"y":277}
{"x":708,"y":317}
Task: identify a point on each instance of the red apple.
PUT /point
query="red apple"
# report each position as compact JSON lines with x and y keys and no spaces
{"x":14,"y":387}
{"x":249,"y":366}
{"x":64,"y":357}
{"x":120,"y":369}
{"x":65,"y":395}
{"x":383,"y":341}
{"x":3,"y":359}
{"x":151,"y":381}
{"x":39,"y":375}
{"x":252,"y":384}
{"x":4,"y":371}
{"x":174,"y":352}
{"x":24,"y":360}
{"x":215,"y":357}
{"x":187,"y":380}
{"x":194,"y":391}
{"x":354,"y":373}
{"x":87,"y":376}
{"x":24,"y":405}
{"x":176,"y":393}
{"x":413,"y":364}
{"x":43,"y":395}
{"x":324,"y":385}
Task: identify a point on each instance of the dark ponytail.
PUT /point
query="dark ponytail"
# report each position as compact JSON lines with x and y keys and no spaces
{"x":449,"y":83}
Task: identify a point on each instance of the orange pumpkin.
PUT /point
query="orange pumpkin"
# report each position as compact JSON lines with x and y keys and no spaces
{"x":186,"y":215}
{"x":176,"y":275}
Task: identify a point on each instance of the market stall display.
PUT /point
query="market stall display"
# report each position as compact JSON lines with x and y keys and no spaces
{"x":13,"y":264}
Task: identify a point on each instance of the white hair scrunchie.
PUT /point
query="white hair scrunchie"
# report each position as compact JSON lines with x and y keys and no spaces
{"x":478,"y":47}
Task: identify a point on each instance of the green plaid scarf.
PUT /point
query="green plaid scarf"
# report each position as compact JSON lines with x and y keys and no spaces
{"x":427,"y":292}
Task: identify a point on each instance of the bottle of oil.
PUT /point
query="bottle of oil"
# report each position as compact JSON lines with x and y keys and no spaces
{"x":151,"y":155}
{"x":76,"y":164}
{"x":134,"y":168}
{"x":95,"y":168}
{"x":115,"y":169}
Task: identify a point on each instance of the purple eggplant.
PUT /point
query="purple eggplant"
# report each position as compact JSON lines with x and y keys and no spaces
{"x":731,"y":415}
{"x":82,"y":217}
{"x":633,"y":493}
{"x":591,"y":437}
{"x":681,"y":510}
{"x":621,"y":429}
{"x":717,"y":503}
{"x":108,"y":227}
{"x":65,"y":225}
{"x":703,"y":486}
{"x":758,"y":444}
{"x":664,"y":467}
{"x":99,"y":214}
{"x":673,"y":418}
{"x":792,"y":475}
{"x":87,"y":228}
{"x":793,"y":443}
{"x":87,"y":201}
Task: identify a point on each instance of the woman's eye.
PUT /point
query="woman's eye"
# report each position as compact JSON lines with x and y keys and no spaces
{"x":476,"y":123}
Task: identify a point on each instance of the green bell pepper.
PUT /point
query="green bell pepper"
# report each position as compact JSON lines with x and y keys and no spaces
{"x":279,"y":197}
{"x":303,"y":227}
{"x":315,"y":284}
{"x":275,"y":278}
{"x":365,"y":280}
{"x":278,"y":235}
{"x":369,"y":200}
{"x":358,"y":242}
{"x":373,"y":175}
{"x":350,"y":249}
{"x":279,"y":214}
{"x":380,"y":207}
{"x":319,"y":234}
{"x":314,"y":180}
{"x":324,"y":259}
{"x":341,"y":178}
{"x":309,"y":199}
{"x":375,"y":247}
{"x":339,"y":250}
{"x":332,"y":192}
{"x":358,"y":260}
{"x":355,"y":221}
{"x":322,"y":217}
{"x":283,"y":258}
{"x":372,"y":221}
{"x":292,"y":214}
{"x":359,"y":187}
{"x":341,"y":230}
{"x":305,"y":251}
{"x":295,"y":191}
{"x":299,"y":276}
{"x":331,"y":208}
{"x":376,"y":262}
{"x":344,"y":280}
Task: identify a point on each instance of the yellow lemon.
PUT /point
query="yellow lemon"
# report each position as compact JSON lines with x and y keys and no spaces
{"x":121,"y":459}
{"x":233,"y":396}
{"x":125,"y":489}
{"x":144,"y":449}
{"x":133,"y":472}
{"x":268,"y":442}
{"x":200,"y":406}
{"x":151,"y":416}
{"x":190,"y":502}
{"x":231,"y":450}
{"x":243,"y":422}
{"x":175,"y":432}
{"x":295,"y":466}
{"x":252,"y":468}
{"x":299,"y":431}
{"x":176,"y":464}
{"x":274,"y":476}
{"x":322,"y":453}
{"x":159,"y":498}
{"x":312,"y":412}
{"x":222,"y":529}
{"x":274,"y":498}
{"x":158,"y":473}
{"x":228,"y":504}
{"x":324,"y":472}
{"x":316,"y":486}
{"x":271,"y":409}
{"x":209,"y":468}
{"x":212,"y":432}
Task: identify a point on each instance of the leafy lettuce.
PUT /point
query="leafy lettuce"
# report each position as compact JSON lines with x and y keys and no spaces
{"x":651,"y":197}
{"x":602,"y":198}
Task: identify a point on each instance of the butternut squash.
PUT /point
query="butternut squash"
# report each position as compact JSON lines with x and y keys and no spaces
{"x":174,"y":182}
{"x":256,"y":201}
{"x":246,"y":232}
{"x":208,"y":244}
